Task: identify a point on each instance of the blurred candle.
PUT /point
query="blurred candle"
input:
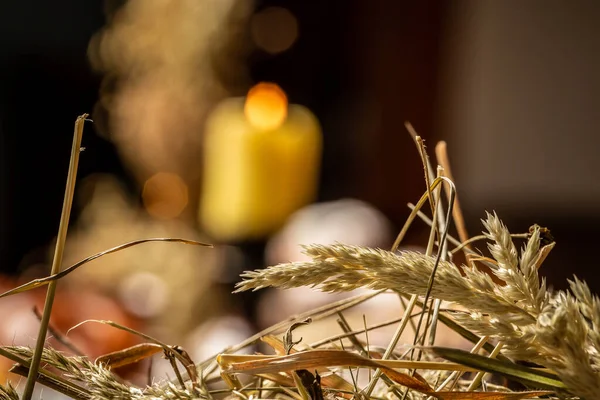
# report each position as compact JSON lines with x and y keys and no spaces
{"x":262,"y":159}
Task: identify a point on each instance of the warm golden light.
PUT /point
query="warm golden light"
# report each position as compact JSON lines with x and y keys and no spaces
{"x":165,"y":195}
{"x":266,"y":106}
{"x":274,"y":29}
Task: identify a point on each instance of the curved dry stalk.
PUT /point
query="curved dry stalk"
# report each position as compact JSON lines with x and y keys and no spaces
{"x":54,"y":277}
{"x":420,"y":203}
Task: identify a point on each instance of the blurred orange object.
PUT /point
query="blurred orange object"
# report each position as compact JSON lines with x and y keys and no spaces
{"x":71,"y":306}
{"x":262,"y":159}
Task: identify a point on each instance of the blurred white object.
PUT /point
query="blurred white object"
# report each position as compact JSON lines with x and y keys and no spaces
{"x":144,"y":294}
{"x":347,"y":221}
{"x":216,"y":334}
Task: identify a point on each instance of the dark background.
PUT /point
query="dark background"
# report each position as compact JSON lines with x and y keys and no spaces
{"x":386,"y":59}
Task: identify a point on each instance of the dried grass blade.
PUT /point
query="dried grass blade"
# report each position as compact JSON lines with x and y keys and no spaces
{"x":324,"y":358}
{"x":519,"y":373}
{"x":227,"y":359}
{"x":129,"y":355}
{"x":317,"y":359}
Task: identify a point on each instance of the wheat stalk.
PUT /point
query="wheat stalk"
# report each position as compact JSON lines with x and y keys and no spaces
{"x":339,"y":268}
{"x":100,"y":381}
{"x":8,"y":392}
{"x":557,"y":330}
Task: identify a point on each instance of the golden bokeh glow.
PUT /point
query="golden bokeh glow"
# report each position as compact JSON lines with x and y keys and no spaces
{"x":165,"y":195}
{"x":266,"y":106}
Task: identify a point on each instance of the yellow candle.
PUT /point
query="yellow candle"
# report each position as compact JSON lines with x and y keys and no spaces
{"x":262,"y":159}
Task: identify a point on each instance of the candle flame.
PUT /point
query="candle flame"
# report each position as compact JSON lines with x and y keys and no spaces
{"x":266,"y":106}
